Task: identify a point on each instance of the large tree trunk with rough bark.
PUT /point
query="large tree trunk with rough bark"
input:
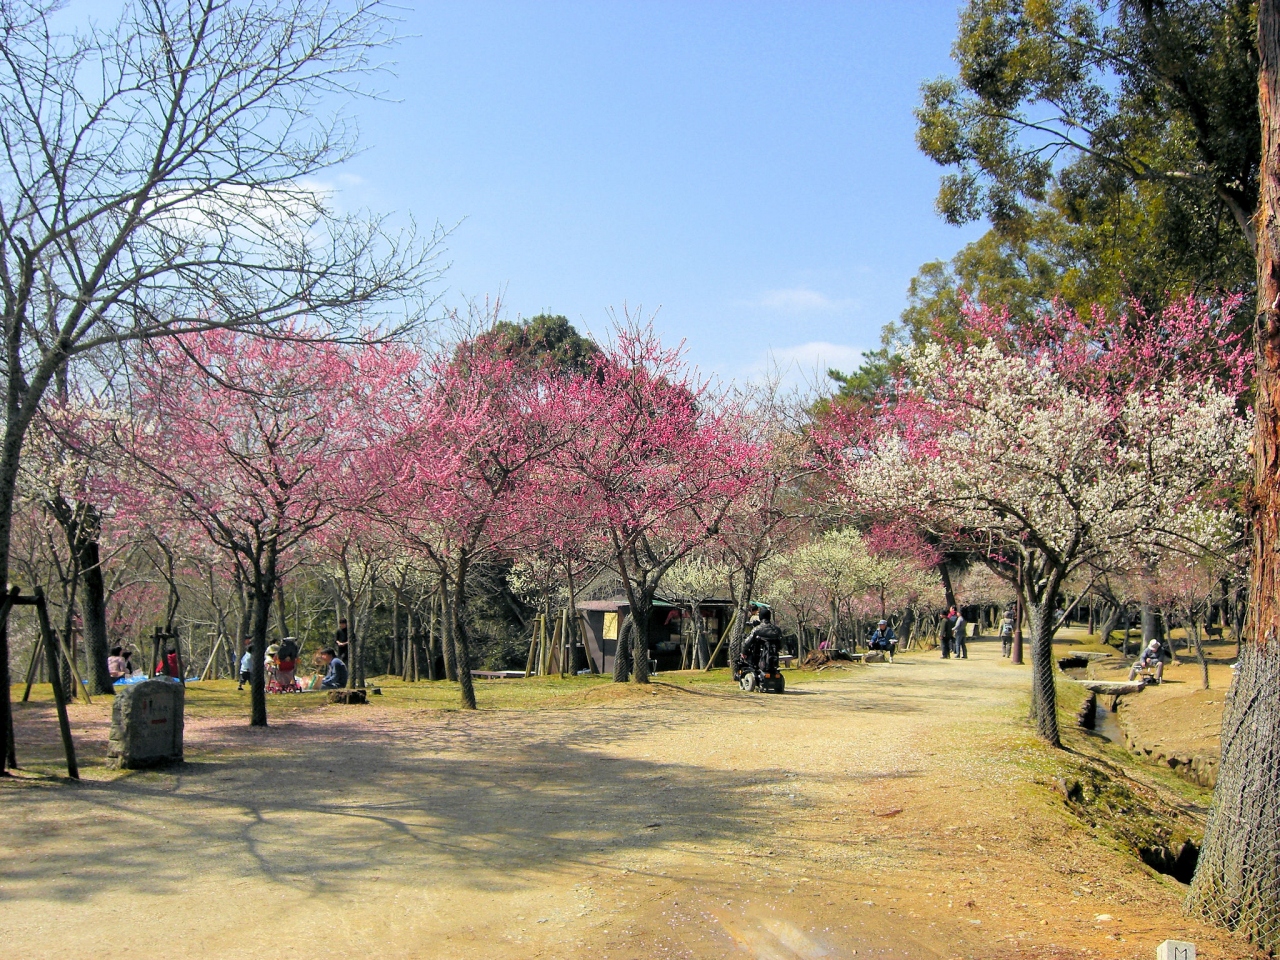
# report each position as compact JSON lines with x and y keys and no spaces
{"x":947,"y":588}
{"x":454,"y":603}
{"x":461,"y":645}
{"x":622,"y":651}
{"x":640,"y":642}
{"x":1237,"y":881}
{"x":1044,"y":691}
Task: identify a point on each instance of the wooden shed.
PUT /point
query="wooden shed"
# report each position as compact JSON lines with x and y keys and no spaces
{"x":603,"y":621}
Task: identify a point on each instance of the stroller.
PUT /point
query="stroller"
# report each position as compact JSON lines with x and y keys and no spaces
{"x":757,"y":665}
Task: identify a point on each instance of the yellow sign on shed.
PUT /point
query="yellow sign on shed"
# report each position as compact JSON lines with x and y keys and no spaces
{"x":611,"y":626}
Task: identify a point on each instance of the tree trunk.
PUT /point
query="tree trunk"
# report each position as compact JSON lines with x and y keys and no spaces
{"x":1149,"y":626}
{"x":947,"y":587}
{"x":445,"y":637}
{"x":1109,"y":622}
{"x":458,"y":628}
{"x":93,"y":606}
{"x":1193,"y":628}
{"x":640,"y":644}
{"x":622,"y":651}
{"x":282,"y":622}
{"x":262,"y":590}
{"x":399,"y":662}
{"x":1044,"y":691}
{"x":1237,"y":880}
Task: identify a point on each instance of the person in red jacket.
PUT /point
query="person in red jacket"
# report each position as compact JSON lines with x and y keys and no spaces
{"x":168,"y":664}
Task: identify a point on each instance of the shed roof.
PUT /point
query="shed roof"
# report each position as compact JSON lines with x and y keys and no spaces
{"x":620,"y":603}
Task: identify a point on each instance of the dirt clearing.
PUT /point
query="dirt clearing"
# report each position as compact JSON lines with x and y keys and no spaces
{"x":895,"y":811}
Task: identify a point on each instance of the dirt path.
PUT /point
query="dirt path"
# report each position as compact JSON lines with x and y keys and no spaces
{"x":896,"y":812}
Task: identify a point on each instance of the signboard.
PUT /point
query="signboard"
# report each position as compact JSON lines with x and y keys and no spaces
{"x":611,"y":626}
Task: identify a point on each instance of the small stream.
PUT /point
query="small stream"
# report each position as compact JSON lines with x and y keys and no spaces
{"x":1105,"y":723}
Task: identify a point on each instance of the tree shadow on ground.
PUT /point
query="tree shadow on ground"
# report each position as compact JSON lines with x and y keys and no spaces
{"x":333,"y":803}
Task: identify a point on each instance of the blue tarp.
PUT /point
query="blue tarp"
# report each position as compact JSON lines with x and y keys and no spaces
{"x":144,"y":678}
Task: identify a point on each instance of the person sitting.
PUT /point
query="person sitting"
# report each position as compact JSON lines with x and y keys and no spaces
{"x":168,"y":665}
{"x":883,"y":638}
{"x":282,"y":667}
{"x":760,"y":648}
{"x":116,"y":665}
{"x":335,"y":676}
{"x":1149,"y":660}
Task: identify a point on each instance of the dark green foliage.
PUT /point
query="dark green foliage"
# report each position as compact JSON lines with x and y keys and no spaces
{"x":544,"y":340}
{"x":1114,"y":147}
{"x":870,"y":380}
{"x":497,"y":621}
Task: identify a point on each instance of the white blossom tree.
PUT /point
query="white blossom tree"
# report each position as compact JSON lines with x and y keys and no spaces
{"x":1025,"y":459}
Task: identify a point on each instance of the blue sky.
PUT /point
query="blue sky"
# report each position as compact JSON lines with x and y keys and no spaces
{"x":747,"y":170}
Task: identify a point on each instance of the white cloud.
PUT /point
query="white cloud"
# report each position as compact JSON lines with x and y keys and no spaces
{"x":800,"y":300}
{"x":819,"y":355}
{"x":805,"y":365}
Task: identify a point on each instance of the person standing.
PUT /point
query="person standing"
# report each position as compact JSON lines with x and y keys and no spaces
{"x":342,"y":642}
{"x":959,"y":632}
{"x":1006,"y":635}
{"x":246,"y":665}
{"x":948,"y":631}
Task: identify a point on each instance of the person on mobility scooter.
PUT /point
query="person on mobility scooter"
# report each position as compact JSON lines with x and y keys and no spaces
{"x":757,"y":666}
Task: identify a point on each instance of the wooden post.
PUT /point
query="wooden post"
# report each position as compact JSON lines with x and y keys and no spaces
{"x":533,"y":647}
{"x":37,"y":649}
{"x":586,"y":651}
{"x":723,"y":637}
{"x":213,"y":652}
{"x":155,"y":653}
{"x":8,"y":749}
{"x":549,"y":648}
{"x":564,"y":643}
{"x":81,"y":689}
{"x":177,"y":649}
{"x":60,"y":701}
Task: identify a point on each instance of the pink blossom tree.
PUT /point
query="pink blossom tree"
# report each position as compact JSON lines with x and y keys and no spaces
{"x":457,"y":486}
{"x":653,"y":468}
{"x":773,"y":508}
{"x":259,"y":442}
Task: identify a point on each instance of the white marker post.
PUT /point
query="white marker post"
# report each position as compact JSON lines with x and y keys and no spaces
{"x":1176,"y":950}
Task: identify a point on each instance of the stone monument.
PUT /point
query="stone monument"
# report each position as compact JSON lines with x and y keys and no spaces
{"x":146,"y":725}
